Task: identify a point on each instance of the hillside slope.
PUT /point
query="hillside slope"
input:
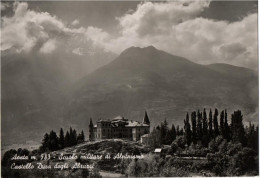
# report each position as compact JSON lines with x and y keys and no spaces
{"x":167,"y":86}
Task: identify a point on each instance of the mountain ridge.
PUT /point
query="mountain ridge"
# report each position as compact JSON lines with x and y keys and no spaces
{"x":147,"y":78}
{"x":39,"y":94}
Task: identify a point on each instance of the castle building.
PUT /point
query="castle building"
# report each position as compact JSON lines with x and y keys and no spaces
{"x":119,"y":127}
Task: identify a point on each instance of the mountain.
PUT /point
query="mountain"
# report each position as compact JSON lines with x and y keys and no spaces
{"x":45,"y":92}
{"x":165,"y":85}
{"x":34,"y":89}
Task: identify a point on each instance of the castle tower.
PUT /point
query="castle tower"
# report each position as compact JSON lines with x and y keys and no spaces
{"x":146,"y":119}
{"x":91,"y":130}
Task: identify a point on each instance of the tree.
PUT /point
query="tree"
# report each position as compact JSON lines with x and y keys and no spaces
{"x":194,"y":126}
{"x":61,"y":139}
{"x":227,"y":134}
{"x":205,"y":137}
{"x":67,"y":140}
{"x":74,"y":137}
{"x":215,"y":123}
{"x":164,"y":130}
{"x":45,"y":143}
{"x":6,"y":160}
{"x":180,"y":142}
{"x":187,"y":130}
{"x":155,"y":137}
{"x":199,"y":126}
{"x":171,"y":135}
{"x":237,"y":128}
{"x":252,"y":137}
{"x":71,"y":137}
{"x":174,"y":147}
{"x":54,"y":142}
{"x":81,"y":137}
{"x":205,"y":123}
{"x":181,"y":132}
{"x":210,"y":125}
{"x":178,"y":130}
{"x":222,"y":124}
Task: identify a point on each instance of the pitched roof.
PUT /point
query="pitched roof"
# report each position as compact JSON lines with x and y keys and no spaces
{"x":146,"y":119}
{"x":91,"y":123}
{"x":146,"y":135}
{"x":158,"y":150}
{"x":135,"y":124}
{"x":118,"y":118}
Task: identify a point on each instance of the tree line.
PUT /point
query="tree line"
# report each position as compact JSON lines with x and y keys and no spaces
{"x":52,"y":142}
{"x":201,"y":128}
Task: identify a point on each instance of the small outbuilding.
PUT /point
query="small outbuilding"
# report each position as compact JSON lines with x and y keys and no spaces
{"x":158,"y":151}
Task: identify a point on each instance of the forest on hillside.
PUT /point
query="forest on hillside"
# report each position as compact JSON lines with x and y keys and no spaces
{"x":209,"y":144}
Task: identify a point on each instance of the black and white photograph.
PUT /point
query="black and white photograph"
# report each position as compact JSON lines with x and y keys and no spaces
{"x":129,"y":89}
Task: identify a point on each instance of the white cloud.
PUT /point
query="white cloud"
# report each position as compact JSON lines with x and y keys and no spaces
{"x":152,"y":18}
{"x":75,"y":22}
{"x":28,"y":30}
{"x":175,"y":28}
{"x":78,"y":51}
{"x":171,"y":26}
{"x":97,"y":35}
{"x":48,"y":46}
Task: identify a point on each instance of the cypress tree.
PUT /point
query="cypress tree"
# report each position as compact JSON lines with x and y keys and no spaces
{"x":215,"y":123}
{"x":71,"y":137}
{"x":178,"y":130}
{"x":187,"y":130}
{"x":194,"y":126}
{"x":171,"y":135}
{"x":237,"y":128}
{"x":83,"y":136}
{"x":205,"y":137}
{"x":199,"y":126}
{"x":67,"y":140}
{"x":173,"y":131}
{"x":222,"y":124}
{"x":74,"y":137}
{"x":61,"y":139}
{"x":164,"y":131}
{"x":251,"y":137}
{"x":210,"y":125}
{"x":205,"y":123}
{"x":181,"y":132}
{"x":227,"y":129}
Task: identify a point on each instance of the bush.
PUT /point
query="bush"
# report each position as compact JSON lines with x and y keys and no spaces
{"x":233,"y":160}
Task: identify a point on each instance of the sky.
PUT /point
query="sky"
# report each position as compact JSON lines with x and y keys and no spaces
{"x":204,"y":32}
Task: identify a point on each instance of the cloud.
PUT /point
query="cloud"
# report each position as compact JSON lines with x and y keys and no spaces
{"x":152,"y":18}
{"x":176,"y":28}
{"x":48,"y":46}
{"x":173,"y":26}
{"x":4,"y":6}
{"x":77,"y":51}
{"x":75,"y":22}
{"x":28,"y":30}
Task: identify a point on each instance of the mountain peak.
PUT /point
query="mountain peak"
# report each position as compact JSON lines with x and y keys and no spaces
{"x":150,"y":47}
{"x":136,"y":50}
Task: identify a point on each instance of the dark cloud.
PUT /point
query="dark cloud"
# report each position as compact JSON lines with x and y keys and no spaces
{"x":99,"y":14}
{"x":229,"y":10}
{"x":233,"y":50}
